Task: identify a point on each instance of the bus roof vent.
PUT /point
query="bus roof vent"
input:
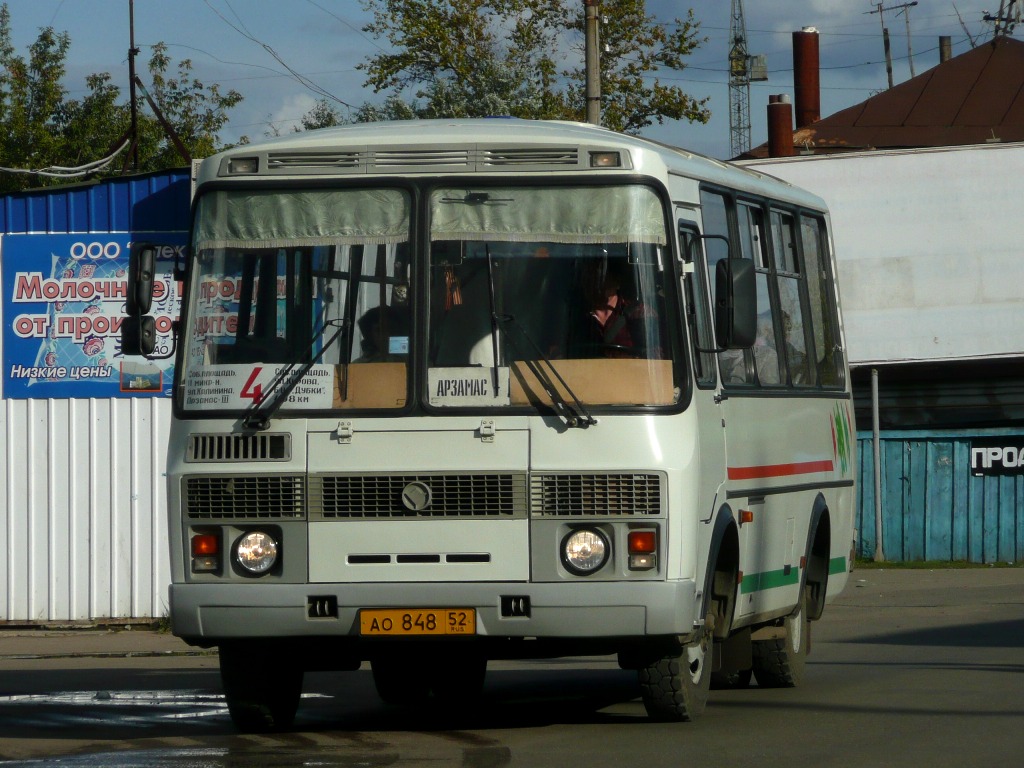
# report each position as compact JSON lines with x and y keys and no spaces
{"x":419,"y":159}
{"x":297,"y":162}
{"x":519,"y":156}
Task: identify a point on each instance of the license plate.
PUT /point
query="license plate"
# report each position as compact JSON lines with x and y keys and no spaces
{"x":394,"y":622}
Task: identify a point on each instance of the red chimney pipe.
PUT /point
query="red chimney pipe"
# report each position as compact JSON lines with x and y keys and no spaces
{"x":780,"y":126}
{"x":806,"y":82}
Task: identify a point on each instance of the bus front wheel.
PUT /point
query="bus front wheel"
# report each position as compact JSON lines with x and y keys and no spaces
{"x":780,"y":662}
{"x":262,"y":689}
{"x":675,"y":685}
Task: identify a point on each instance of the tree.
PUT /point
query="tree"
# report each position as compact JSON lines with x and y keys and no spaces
{"x":196,"y":112}
{"x":472,"y":58}
{"x":30,"y":95}
{"x":40,"y":127}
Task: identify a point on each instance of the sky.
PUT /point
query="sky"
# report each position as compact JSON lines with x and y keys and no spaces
{"x":229,"y":42}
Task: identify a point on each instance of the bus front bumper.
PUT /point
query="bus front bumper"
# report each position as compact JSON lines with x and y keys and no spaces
{"x":208,"y":613}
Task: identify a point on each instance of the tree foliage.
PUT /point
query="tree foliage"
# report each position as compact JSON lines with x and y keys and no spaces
{"x":525,"y":58}
{"x":41,"y":127}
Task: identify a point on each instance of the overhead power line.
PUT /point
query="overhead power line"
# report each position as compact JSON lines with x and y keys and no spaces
{"x":65,"y":172}
{"x":302,"y":79}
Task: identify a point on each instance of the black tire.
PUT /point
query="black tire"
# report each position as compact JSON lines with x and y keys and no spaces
{"x":401,"y":681}
{"x":262,"y":693}
{"x":731,"y":681}
{"x":675,"y":687}
{"x":780,"y":663}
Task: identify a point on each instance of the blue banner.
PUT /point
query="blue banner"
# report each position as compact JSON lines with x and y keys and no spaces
{"x":63,"y":304}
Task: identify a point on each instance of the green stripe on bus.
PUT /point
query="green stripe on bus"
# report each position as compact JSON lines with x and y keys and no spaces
{"x":757,"y":582}
{"x":837,"y":565}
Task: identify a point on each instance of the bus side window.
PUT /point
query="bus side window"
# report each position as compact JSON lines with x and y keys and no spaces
{"x":828,"y":354}
{"x":792,"y":302}
{"x":715,"y":214}
{"x":754,"y":245}
{"x":698,"y":311}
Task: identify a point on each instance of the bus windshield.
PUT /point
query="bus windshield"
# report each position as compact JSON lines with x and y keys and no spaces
{"x":550,"y":296}
{"x":538,"y":297}
{"x":301,"y":296}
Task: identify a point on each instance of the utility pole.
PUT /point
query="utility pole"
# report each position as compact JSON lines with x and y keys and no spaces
{"x":593,"y":62}
{"x":739,"y":83}
{"x":1005,"y":19}
{"x":132,"y":53}
{"x":910,"y":52}
{"x":903,"y":8}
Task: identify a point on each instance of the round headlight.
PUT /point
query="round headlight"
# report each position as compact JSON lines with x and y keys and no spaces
{"x":584,"y":551}
{"x":256,"y":552}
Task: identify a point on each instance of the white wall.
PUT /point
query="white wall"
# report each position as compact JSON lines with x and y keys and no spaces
{"x":929,"y":244}
{"x":83,"y":514}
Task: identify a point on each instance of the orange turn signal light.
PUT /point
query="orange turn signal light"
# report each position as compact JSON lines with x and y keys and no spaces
{"x":205,"y":544}
{"x":643,"y":542}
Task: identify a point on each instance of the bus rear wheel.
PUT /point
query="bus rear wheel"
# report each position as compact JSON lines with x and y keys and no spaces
{"x":261,"y":688}
{"x":675,"y":686}
{"x":780,"y":662}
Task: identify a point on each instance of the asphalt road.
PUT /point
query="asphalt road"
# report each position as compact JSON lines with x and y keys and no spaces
{"x":908,"y":668}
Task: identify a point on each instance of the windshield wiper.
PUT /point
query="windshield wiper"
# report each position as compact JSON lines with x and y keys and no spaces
{"x":494,"y":317}
{"x":261,"y":411}
{"x":574,"y":414}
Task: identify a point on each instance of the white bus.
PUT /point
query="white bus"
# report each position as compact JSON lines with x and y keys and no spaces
{"x":460,"y":390}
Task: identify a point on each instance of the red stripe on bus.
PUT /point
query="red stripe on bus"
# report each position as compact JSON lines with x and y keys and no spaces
{"x":780,"y":470}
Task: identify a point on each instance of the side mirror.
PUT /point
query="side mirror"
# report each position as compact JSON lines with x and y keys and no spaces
{"x":735,"y":304}
{"x":138,"y":335}
{"x":141,"y":271}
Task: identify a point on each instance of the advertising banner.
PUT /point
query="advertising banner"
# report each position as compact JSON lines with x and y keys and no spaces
{"x":997,"y":456}
{"x":63,"y":304}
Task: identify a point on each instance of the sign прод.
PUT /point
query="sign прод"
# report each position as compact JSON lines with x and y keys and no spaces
{"x":997,"y":456}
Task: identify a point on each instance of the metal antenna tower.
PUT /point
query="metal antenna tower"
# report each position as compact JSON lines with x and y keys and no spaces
{"x":902,"y":8}
{"x":739,"y":83}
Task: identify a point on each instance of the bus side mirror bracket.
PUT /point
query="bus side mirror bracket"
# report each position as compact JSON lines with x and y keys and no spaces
{"x":141,"y":272}
{"x":138,"y":335}
{"x":735,"y":303}
{"x":138,"y":330}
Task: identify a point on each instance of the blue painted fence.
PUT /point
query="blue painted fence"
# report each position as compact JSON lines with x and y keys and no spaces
{"x":933,"y":508}
{"x":154,"y":202}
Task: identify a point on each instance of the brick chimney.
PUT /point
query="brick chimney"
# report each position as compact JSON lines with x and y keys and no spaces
{"x":806,"y":82}
{"x":780,"y":126}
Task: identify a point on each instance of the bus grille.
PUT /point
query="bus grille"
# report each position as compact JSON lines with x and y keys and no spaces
{"x":499,"y":496}
{"x":246,"y":496}
{"x":225,"y":447}
{"x":568,"y":494}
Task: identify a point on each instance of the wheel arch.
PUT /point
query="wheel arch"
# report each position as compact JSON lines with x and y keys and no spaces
{"x":722,"y":572}
{"x":819,"y":554}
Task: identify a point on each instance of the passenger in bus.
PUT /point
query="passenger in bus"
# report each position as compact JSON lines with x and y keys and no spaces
{"x":385,"y":335}
{"x":766,"y":357}
{"x":616,"y":324}
{"x":733,"y":362}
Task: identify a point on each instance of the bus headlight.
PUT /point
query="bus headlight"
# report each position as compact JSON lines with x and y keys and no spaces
{"x":585,"y":551}
{"x":256,"y":552}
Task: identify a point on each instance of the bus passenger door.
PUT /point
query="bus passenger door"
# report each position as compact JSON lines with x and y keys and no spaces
{"x":707,"y":400}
